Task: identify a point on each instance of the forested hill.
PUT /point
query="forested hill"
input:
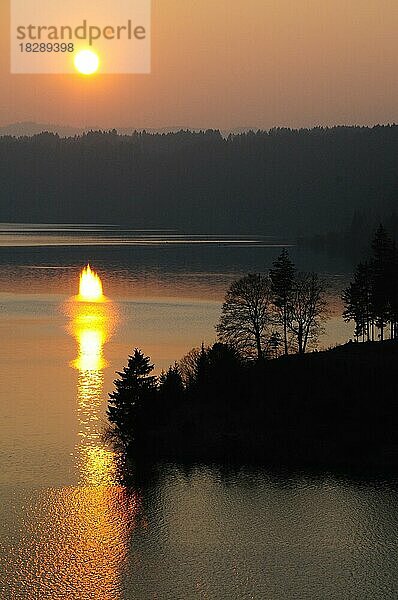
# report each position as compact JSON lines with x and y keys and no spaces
{"x":278,"y":182}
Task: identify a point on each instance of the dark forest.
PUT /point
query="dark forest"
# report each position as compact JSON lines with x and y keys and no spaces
{"x":282,"y":182}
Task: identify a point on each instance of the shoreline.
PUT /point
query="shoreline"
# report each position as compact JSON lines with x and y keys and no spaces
{"x":318,"y":410}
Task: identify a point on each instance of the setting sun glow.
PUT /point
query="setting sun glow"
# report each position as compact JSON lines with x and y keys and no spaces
{"x":86,"y":62}
{"x":90,"y":287}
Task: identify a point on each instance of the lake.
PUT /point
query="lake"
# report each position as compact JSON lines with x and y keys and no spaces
{"x":69,"y":530}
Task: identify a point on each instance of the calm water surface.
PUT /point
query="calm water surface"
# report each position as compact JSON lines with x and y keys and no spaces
{"x":69,"y":531}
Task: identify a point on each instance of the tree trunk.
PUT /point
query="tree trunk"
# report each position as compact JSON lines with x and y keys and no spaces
{"x":300,"y":339}
{"x":285,"y":330}
{"x":258,"y":344}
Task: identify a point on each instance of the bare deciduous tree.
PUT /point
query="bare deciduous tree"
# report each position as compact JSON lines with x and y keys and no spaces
{"x":307,"y":309}
{"x":190,"y":364}
{"x":246,"y":315}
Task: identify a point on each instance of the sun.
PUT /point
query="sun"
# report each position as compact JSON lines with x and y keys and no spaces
{"x":87,"y":62}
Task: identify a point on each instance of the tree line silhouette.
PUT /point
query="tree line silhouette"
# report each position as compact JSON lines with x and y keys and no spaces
{"x":371,"y":299}
{"x":263,"y":313}
{"x":229,"y":402}
{"x":283,"y":181}
{"x":316,"y":409}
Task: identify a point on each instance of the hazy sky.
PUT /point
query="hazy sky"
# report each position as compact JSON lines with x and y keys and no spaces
{"x":231,"y":63}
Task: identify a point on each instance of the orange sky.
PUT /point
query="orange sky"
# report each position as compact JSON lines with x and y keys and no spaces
{"x":231,"y":63}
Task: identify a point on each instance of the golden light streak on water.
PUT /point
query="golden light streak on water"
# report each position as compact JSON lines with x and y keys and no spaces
{"x":96,"y":462}
{"x":74,"y":544}
{"x":74,"y":541}
{"x":92,"y":324}
{"x":84,"y":529}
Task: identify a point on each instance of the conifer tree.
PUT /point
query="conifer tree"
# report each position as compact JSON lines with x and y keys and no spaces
{"x":357,"y":298}
{"x":134,"y":388}
{"x":282,"y":283}
{"x":382,"y":248}
{"x":171,"y":385}
{"x":371,"y":299}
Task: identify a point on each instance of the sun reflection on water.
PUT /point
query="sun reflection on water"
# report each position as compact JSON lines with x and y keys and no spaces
{"x":88,"y":525}
{"x":73,"y":542}
{"x":73,"y":545}
{"x":92,"y":324}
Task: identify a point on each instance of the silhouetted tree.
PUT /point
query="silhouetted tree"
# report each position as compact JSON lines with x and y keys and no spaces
{"x":134,"y":389}
{"x":382,"y":277}
{"x":371,"y":299}
{"x":307,"y":309}
{"x":171,"y":385}
{"x":282,"y":282}
{"x":193,"y":366}
{"x":357,"y":298}
{"x":394,"y":293}
{"x":223,"y":365}
{"x":217,"y":375}
{"x":246,"y":315}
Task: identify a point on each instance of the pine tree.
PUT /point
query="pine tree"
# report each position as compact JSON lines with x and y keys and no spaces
{"x":134,"y":389}
{"x":358,"y":302}
{"x":171,"y":386}
{"x":394,"y":293}
{"x":382,"y":277}
{"x":371,"y":299}
{"x":282,"y":283}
